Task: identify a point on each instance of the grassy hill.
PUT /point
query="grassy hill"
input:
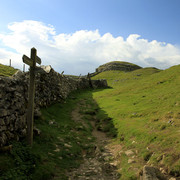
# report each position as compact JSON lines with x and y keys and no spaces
{"x":6,"y":70}
{"x":118,"y":65}
{"x":145,"y":107}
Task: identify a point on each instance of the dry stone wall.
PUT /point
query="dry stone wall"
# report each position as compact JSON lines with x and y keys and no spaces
{"x":51,"y":87}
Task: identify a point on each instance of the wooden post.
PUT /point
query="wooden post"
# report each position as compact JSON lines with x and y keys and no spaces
{"x":62,"y":74}
{"x":90,"y":82}
{"x":79,"y":77}
{"x":23,"y":67}
{"x":30,"y":112}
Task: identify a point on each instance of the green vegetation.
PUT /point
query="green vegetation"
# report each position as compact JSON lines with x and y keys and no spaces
{"x":144,"y":106}
{"x":120,"y":62}
{"x":59,"y":147}
{"x":140,"y":110}
{"x":117,"y":65}
{"x":6,"y":70}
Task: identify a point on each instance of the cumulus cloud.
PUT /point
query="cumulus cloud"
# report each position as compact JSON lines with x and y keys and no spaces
{"x":82,"y":51}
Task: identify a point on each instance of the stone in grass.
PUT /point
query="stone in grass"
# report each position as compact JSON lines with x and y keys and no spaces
{"x":67,"y":145}
{"x":130,"y":161}
{"x":51,"y":122}
{"x":51,"y":154}
{"x":115,"y":163}
{"x":60,"y":139}
{"x":107,"y":158}
{"x":57,"y":150}
{"x":129,"y":153}
{"x":36,"y":131}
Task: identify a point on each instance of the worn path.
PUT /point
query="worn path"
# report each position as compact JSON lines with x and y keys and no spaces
{"x":99,"y":165}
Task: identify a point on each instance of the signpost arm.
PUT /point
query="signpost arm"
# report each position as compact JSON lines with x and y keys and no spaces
{"x":30,"y":113}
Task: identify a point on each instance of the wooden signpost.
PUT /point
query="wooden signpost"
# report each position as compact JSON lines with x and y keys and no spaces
{"x":90,"y":82}
{"x":10,"y":62}
{"x":30,"y":113}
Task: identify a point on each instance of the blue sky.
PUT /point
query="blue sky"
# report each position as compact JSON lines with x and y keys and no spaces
{"x":146,"y":32}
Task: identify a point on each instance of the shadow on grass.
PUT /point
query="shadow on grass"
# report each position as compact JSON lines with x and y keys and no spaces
{"x":103,"y":121}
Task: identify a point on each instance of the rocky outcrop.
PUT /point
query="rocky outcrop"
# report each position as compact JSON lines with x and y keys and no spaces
{"x":117,"y":65}
{"x":51,"y":87}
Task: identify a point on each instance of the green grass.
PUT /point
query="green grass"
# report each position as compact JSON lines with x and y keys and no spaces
{"x":140,"y":110}
{"x":60,"y":145}
{"x":6,"y":70}
{"x":58,"y":148}
{"x":144,"y":105}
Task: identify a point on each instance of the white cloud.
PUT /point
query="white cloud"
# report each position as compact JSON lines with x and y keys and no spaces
{"x":81,"y":51}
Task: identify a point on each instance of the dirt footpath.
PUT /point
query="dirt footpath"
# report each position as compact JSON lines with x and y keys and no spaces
{"x":99,"y":165}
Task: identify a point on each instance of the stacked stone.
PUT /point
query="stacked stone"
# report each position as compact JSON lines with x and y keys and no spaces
{"x":12,"y":109}
{"x":51,"y":87}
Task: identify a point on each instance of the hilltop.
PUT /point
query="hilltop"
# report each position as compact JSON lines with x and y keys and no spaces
{"x":6,"y":70}
{"x":117,"y":65}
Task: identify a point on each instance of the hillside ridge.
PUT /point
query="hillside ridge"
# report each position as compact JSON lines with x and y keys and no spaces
{"x":7,"y":70}
{"x":117,"y":65}
{"x":144,"y":107}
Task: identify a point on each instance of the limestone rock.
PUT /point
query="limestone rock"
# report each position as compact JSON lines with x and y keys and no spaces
{"x":130,"y":161}
{"x":36,"y":131}
{"x":129,"y":153}
{"x":152,"y":173}
{"x":67,"y":145}
{"x":47,"y":69}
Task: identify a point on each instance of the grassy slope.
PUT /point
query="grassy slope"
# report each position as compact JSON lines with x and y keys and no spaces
{"x":119,"y":64}
{"x":58,"y":148}
{"x":145,"y":105}
{"x":6,"y":70}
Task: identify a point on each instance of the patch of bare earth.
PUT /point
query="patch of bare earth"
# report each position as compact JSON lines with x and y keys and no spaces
{"x":99,"y":165}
